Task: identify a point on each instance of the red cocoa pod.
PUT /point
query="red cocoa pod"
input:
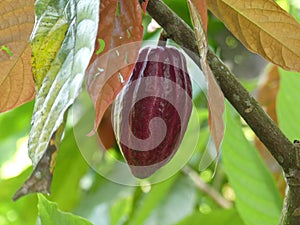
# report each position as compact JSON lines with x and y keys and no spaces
{"x":152,"y":111}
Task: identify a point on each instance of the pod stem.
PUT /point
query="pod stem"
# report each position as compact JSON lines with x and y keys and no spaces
{"x":162,"y":41}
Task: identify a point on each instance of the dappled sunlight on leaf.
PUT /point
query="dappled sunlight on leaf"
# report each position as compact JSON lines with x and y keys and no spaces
{"x":16,"y":82}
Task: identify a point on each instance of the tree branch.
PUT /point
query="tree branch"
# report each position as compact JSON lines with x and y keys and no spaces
{"x":205,"y":188}
{"x":285,"y":152}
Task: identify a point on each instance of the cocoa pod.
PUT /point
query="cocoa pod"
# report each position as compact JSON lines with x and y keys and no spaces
{"x":152,"y":111}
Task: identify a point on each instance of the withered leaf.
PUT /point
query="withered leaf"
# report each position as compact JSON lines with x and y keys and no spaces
{"x":16,"y":82}
{"x":41,"y":177}
{"x":215,"y":95}
{"x":264,"y":28}
{"x":121,"y":29}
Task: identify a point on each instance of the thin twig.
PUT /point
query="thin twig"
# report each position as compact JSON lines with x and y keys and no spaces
{"x":205,"y":188}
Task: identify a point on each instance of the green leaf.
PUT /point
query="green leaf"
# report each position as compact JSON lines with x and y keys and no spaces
{"x":288,"y":103}
{"x":62,"y":45}
{"x":181,"y":9}
{"x":120,"y":210}
{"x":74,"y":24}
{"x":257,"y":199}
{"x":51,"y":215}
{"x":11,"y":131}
{"x":177,"y":203}
{"x":218,"y":217}
{"x":146,"y":205}
{"x":21,"y":212}
{"x":100,"y":199}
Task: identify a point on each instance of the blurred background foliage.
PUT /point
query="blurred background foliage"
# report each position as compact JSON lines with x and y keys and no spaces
{"x":246,"y":177}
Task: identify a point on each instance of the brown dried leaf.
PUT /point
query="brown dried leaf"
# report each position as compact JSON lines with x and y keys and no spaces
{"x":121,"y":29}
{"x":16,"y":82}
{"x":264,"y":28}
{"x":216,"y":108}
{"x":106,"y":131}
{"x":41,"y":178}
{"x":215,"y":95}
{"x":144,"y":5}
{"x":201,"y":6}
{"x":267,"y":91}
{"x":199,"y":32}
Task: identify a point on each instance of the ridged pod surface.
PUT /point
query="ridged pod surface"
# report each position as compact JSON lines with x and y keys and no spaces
{"x":152,"y":111}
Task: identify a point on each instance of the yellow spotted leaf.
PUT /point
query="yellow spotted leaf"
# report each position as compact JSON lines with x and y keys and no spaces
{"x":45,"y":46}
{"x":62,"y":45}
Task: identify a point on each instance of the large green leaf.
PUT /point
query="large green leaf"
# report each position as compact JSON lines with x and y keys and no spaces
{"x":288,"y":102}
{"x":257,"y":199}
{"x":218,"y":217}
{"x":177,"y":203}
{"x":73,"y":25}
{"x":101,"y":201}
{"x":148,"y":202}
{"x":62,"y":43}
{"x":51,"y":215}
